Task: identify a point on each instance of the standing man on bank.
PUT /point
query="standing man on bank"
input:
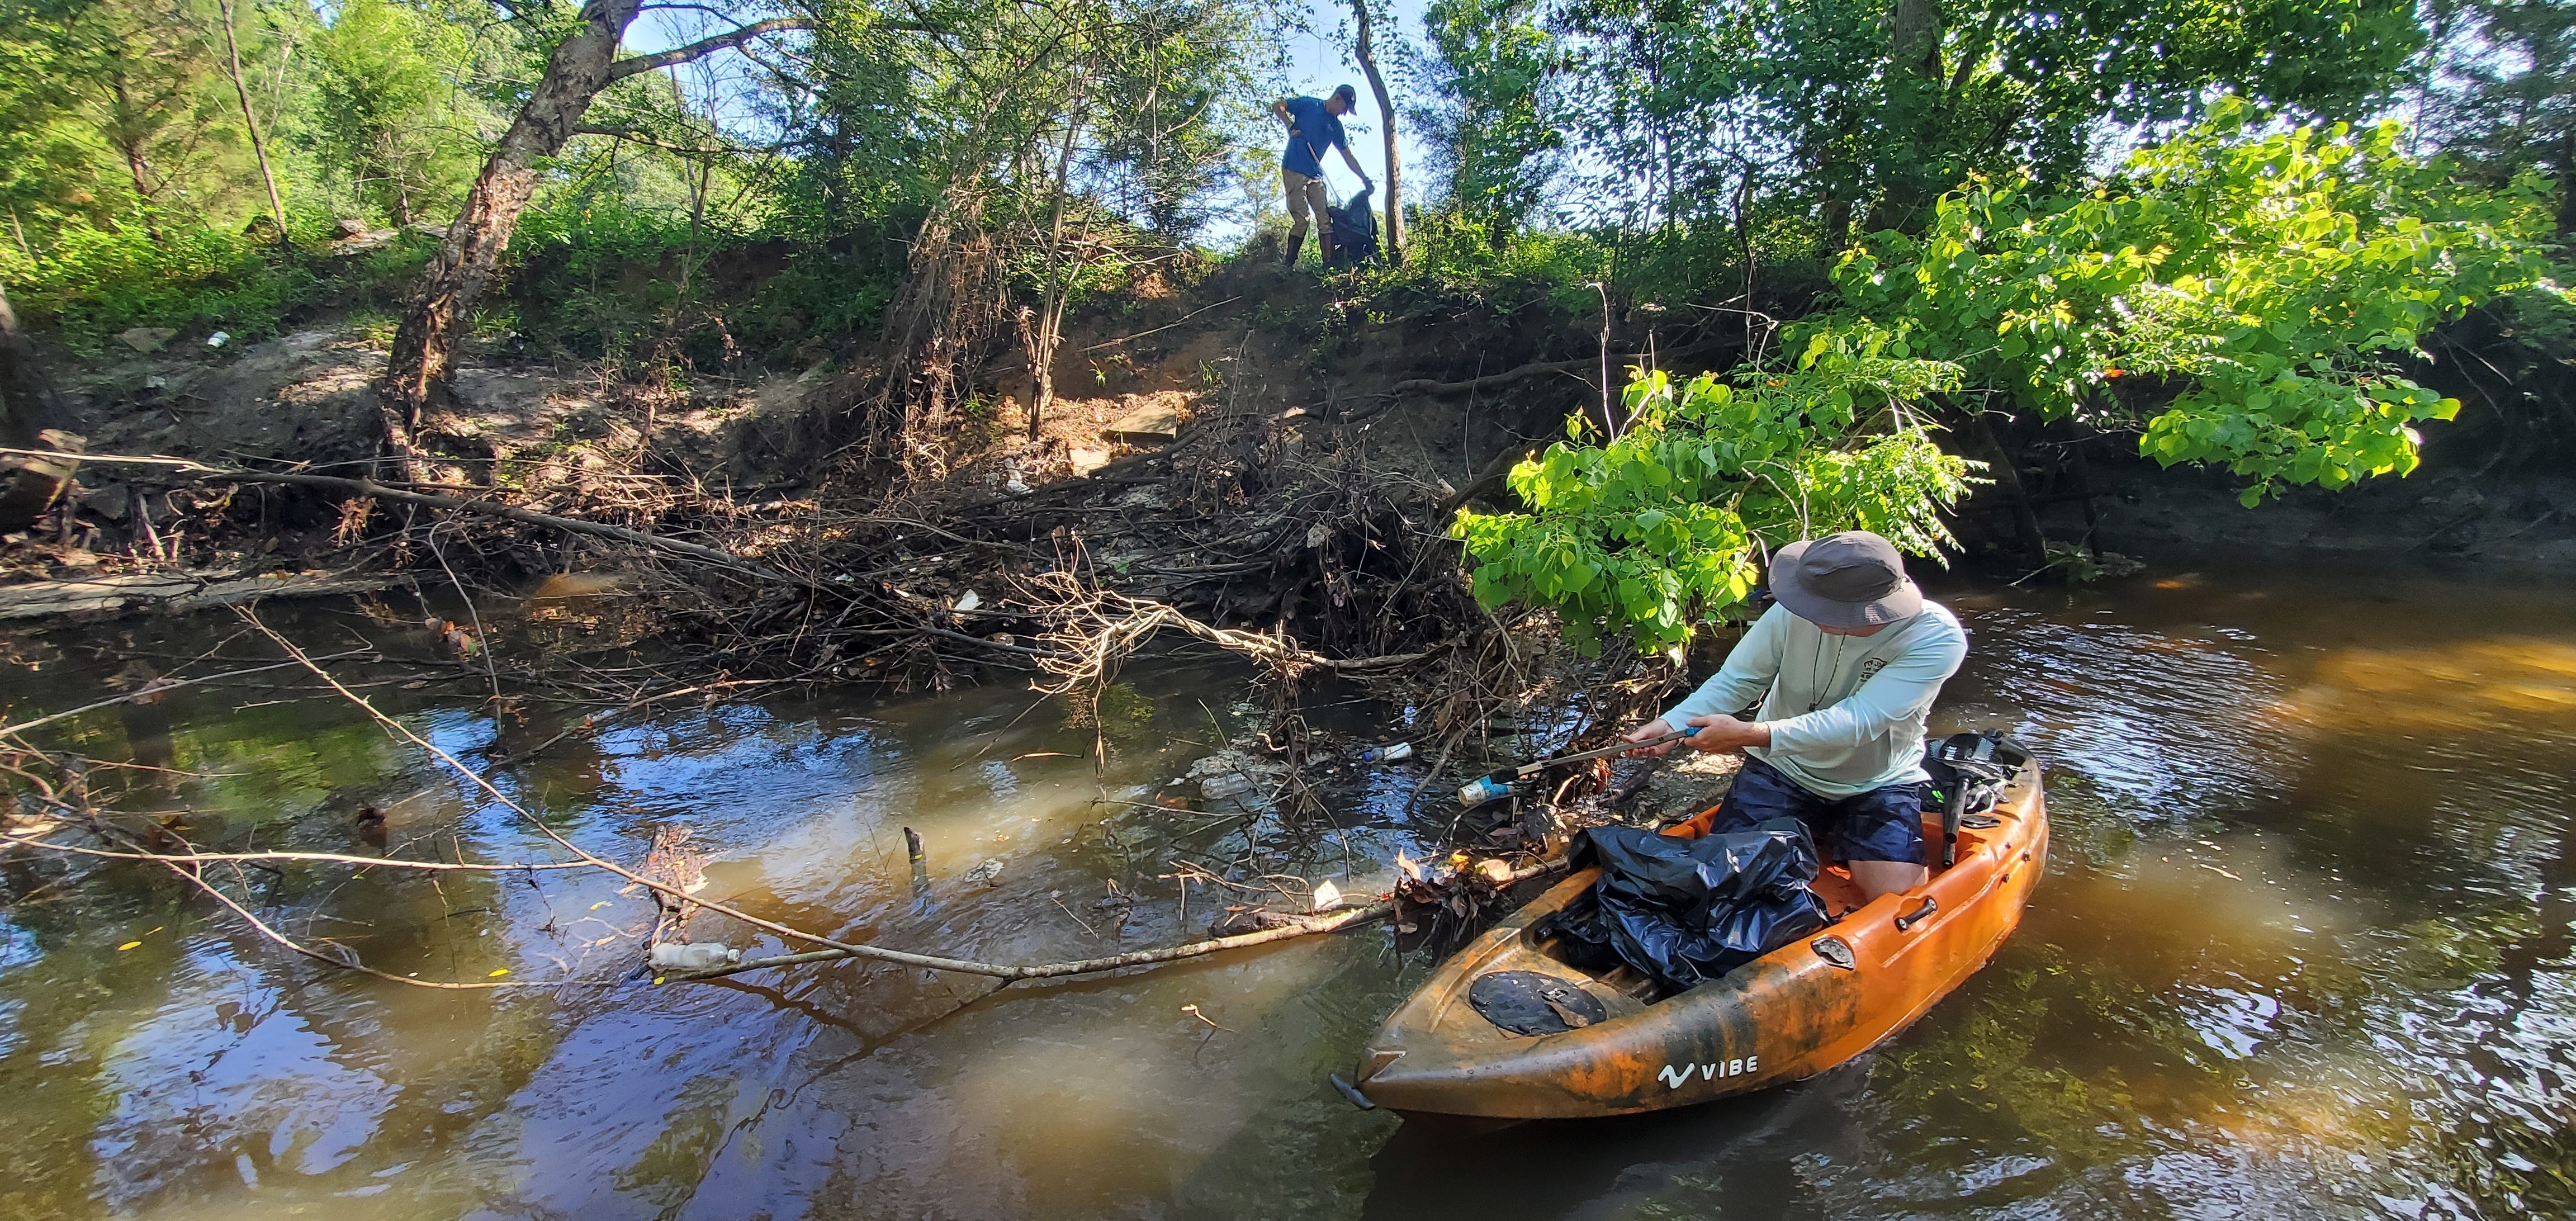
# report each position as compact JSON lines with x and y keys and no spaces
{"x":1313,"y":126}
{"x":1846,"y":664}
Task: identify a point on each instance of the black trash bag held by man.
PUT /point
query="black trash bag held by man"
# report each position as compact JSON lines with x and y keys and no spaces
{"x":1354,"y":228}
{"x":1687,"y":911}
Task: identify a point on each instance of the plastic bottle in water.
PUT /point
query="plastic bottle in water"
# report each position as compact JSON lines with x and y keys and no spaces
{"x":1386,"y":754}
{"x":694,"y":956}
{"x":1225,"y":786}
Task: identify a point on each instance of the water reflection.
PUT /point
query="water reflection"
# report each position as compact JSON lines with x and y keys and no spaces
{"x":2304,"y":950}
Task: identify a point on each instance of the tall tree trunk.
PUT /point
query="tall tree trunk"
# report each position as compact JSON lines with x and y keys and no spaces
{"x":1915,"y":96}
{"x":425,"y":343}
{"x":2026,"y":527}
{"x":250,"y":122}
{"x":130,"y":142}
{"x":1914,"y":39}
{"x":1386,"y":116}
{"x":1833,"y":223}
{"x":1050,"y":324}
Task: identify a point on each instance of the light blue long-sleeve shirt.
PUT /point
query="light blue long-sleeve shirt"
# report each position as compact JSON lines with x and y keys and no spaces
{"x":1846,"y":712}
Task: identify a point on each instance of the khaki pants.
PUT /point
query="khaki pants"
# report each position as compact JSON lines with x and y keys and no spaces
{"x":1307,"y":195}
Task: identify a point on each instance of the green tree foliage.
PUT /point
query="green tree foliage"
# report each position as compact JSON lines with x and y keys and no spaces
{"x":1487,"y":62}
{"x":2239,"y":294}
{"x":382,"y":120}
{"x":1684,"y":125}
{"x":1657,"y":529}
{"x":118,"y":110}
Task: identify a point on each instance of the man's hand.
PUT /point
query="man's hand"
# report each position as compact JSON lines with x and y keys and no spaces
{"x":1717,"y":733}
{"x":1652,"y":729}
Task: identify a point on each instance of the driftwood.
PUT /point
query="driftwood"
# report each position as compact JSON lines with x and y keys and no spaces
{"x":172,"y":592}
{"x":378,"y":491}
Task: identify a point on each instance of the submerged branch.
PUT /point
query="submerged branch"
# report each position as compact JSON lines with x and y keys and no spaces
{"x":164,"y":685}
{"x":1301,"y":927}
{"x":1296,"y":926}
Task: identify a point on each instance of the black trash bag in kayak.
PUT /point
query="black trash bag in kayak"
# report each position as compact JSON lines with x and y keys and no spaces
{"x":1687,"y":911}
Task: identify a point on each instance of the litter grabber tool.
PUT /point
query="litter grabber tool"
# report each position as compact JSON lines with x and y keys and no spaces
{"x":1503,"y":781}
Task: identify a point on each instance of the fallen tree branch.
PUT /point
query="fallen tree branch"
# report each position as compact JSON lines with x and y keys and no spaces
{"x":1301,"y":927}
{"x":332,"y":858}
{"x":1297,"y":926}
{"x":263,"y":928}
{"x":168,"y":685}
{"x":1097,"y":629}
{"x":489,"y":508}
{"x":542,"y":826}
{"x":1430,"y":386}
{"x":171,"y":592}
{"x":1165,"y":327}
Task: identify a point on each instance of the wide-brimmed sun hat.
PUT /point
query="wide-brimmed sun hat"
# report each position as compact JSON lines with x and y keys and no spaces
{"x":1854,"y":579}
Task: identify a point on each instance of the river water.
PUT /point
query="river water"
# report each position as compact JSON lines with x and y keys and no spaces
{"x":2304,"y":951}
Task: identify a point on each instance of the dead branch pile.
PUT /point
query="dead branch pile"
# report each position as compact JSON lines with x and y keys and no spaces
{"x":942,"y":325}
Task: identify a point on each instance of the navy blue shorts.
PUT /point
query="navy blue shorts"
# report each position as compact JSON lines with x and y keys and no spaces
{"x":1883,"y":824}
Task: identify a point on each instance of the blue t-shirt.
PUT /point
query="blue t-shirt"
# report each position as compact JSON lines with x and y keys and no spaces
{"x":1317,"y":129}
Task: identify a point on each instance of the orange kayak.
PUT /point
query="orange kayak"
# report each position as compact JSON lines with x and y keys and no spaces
{"x":1786,"y":1016}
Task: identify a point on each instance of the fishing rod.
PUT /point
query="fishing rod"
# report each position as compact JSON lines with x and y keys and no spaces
{"x":1500,"y":782}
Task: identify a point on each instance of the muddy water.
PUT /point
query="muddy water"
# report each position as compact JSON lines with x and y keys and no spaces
{"x":2304,"y":951}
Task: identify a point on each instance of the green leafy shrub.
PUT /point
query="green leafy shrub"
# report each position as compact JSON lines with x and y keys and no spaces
{"x":1464,"y":258}
{"x":92,"y":283}
{"x":1656,"y":530}
{"x":2239,"y":295}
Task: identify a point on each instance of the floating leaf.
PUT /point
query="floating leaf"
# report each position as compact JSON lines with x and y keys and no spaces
{"x":498,"y":972}
{"x":127,"y":946}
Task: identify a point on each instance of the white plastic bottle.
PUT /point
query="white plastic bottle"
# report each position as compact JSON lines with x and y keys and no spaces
{"x":693,"y":956}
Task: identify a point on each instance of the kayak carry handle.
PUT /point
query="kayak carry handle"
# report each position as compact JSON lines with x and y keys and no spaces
{"x":1918,"y":915}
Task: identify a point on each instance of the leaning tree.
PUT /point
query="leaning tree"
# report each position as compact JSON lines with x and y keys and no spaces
{"x":580,"y":66}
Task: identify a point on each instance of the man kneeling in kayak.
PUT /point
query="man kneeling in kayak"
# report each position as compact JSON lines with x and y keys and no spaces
{"x":1852,"y":658}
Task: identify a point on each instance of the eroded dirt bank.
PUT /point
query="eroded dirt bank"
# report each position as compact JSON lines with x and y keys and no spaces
{"x":1254,"y":453}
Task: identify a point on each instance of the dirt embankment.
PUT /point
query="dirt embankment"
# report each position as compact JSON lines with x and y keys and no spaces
{"x":1236,"y":449}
